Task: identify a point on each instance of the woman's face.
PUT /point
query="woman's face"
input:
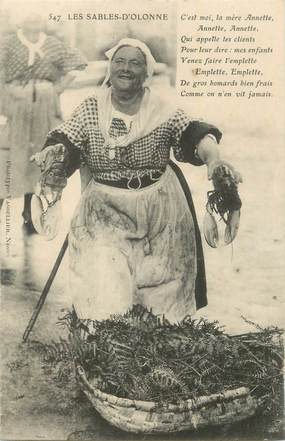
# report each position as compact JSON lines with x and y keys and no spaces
{"x":128,"y":69}
{"x":33,"y":23}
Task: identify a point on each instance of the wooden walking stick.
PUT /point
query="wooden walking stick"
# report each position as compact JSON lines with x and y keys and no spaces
{"x":45,"y":291}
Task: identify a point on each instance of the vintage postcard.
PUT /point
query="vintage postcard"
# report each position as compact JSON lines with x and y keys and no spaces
{"x":142,"y":219}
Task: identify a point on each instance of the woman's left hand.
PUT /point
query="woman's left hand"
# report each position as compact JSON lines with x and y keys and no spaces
{"x":59,"y":89}
{"x":229,"y":168}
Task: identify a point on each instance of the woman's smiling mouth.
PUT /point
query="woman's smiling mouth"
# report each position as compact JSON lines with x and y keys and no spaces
{"x":125,"y":76}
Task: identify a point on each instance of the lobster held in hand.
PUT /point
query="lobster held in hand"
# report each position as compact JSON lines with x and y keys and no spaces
{"x":224,"y":201}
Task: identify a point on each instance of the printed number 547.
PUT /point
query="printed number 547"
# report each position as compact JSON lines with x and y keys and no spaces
{"x":54,"y":17}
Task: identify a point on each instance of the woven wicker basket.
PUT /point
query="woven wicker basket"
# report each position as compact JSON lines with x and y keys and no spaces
{"x":150,"y":417}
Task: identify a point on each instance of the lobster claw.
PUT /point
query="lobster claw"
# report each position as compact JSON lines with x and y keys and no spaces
{"x":210,"y":230}
{"x":46,"y":221}
{"x":232,"y":226}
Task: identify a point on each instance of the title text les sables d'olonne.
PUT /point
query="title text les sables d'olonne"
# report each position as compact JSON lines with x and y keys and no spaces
{"x":226,"y":56}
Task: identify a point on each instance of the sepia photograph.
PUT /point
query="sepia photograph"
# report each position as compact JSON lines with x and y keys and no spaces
{"x":142,"y":162}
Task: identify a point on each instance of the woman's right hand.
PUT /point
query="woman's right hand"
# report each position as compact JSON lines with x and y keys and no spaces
{"x":49,"y":155}
{"x":53,"y":178}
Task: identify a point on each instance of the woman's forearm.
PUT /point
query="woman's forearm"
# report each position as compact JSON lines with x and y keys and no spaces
{"x":209,"y":153}
{"x":67,"y":80}
{"x":64,"y":82}
{"x":208,"y":150}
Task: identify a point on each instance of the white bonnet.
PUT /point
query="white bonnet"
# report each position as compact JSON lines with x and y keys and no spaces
{"x":150,"y":61}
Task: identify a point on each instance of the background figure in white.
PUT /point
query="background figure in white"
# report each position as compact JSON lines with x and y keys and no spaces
{"x":35,"y":68}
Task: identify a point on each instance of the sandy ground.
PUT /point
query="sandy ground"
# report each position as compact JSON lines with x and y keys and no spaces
{"x":246,"y":279}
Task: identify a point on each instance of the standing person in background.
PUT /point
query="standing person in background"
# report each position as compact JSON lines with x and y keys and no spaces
{"x":35,"y":68}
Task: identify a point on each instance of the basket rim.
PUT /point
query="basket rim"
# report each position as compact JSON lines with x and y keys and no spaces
{"x":190,"y":404}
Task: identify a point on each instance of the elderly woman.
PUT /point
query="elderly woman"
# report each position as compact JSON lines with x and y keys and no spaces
{"x":34,"y":69}
{"x":134,"y":236}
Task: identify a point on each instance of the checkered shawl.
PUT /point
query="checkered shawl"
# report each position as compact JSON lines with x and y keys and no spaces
{"x":146,"y":155}
{"x":58,"y":60}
